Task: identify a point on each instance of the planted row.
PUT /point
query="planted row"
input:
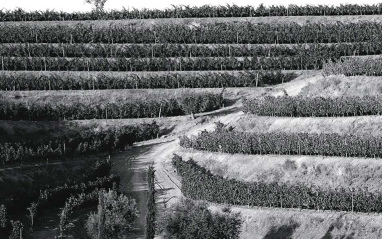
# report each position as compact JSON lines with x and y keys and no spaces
{"x":225,"y":32}
{"x":189,"y":50}
{"x":304,"y":62}
{"x":55,"y":197}
{"x":168,"y":80}
{"x":149,"y":108}
{"x":369,"y":66}
{"x":234,"y":142}
{"x":151,"y":207}
{"x":76,"y":202}
{"x":314,"y":107}
{"x":191,"y":219}
{"x":204,"y":11}
{"x":200,"y":184}
{"x":81,"y":143}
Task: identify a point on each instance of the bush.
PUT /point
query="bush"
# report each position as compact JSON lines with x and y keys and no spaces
{"x":115,"y":216}
{"x":190,"y":220}
{"x":151,"y":208}
{"x":17,"y":230}
{"x":3,"y":216}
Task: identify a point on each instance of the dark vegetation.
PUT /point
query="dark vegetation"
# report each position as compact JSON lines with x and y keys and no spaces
{"x":21,"y":81}
{"x":114,"y":218}
{"x":204,"y":11}
{"x":208,"y":33}
{"x":178,"y":50}
{"x":288,"y":106}
{"x":190,"y":220}
{"x":200,"y":184}
{"x":228,"y":140}
{"x":14,"y":205}
{"x":135,"y":108}
{"x":151,"y":207}
{"x":76,"y":143}
{"x":369,"y":66}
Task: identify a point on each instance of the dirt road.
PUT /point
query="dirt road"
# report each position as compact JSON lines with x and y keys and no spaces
{"x":132,"y":164}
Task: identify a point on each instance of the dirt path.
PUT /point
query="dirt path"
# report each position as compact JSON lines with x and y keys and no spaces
{"x":132,"y":167}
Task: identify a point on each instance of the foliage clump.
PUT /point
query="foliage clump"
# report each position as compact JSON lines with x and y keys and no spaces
{"x":190,"y":220}
{"x":99,"y":5}
{"x":115,"y":216}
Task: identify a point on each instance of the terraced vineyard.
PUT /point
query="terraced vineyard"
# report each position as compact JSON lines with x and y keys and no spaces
{"x":79,"y":87}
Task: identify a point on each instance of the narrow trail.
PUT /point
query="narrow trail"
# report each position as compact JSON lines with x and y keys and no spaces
{"x":132,"y":165}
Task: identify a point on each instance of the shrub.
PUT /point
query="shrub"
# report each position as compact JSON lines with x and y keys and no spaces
{"x":3,"y":216}
{"x":190,"y":220}
{"x":115,"y":216}
{"x":151,"y":208}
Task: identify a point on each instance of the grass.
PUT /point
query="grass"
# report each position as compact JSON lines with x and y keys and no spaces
{"x":19,"y":131}
{"x":129,"y":73}
{"x":98,"y":96}
{"x":211,"y":45}
{"x":325,"y":125}
{"x":146,"y":23}
{"x":264,"y":223}
{"x":325,"y":172}
{"x":335,"y":86}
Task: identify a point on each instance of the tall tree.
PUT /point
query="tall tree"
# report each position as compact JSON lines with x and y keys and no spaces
{"x":98,"y":4}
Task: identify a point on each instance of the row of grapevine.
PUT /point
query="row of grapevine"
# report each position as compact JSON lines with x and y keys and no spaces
{"x":55,"y":197}
{"x":76,"y":202}
{"x":204,"y":11}
{"x":370,"y":66}
{"x":83,"y":143}
{"x":303,"y":62}
{"x":314,"y":107}
{"x":328,"y":51}
{"x":22,"y":81}
{"x":38,"y":199}
{"x":151,"y":207}
{"x":4,"y":223}
{"x":230,"y":141}
{"x":200,"y":184}
{"x":168,"y":106}
{"x":235,"y":33}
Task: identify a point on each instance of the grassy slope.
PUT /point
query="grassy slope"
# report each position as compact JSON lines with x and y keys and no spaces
{"x":94,"y":97}
{"x":127,"y":73}
{"x":334,"y":86}
{"x":110,"y":96}
{"x":314,"y":85}
{"x":15,"y":131}
{"x":264,"y":223}
{"x":211,"y":45}
{"x":195,"y":21}
{"x":341,"y":125}
{"x":325,"y":172}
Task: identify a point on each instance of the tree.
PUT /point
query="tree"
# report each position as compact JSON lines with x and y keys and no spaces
{"x":189,"y":219}
{"x":17,"y":230}
{"x":32,"y":212}
{"x":64,"y":217}
{"x":3,"y":216}
{"x":98,"y":4}
{"x":116,"y":213}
